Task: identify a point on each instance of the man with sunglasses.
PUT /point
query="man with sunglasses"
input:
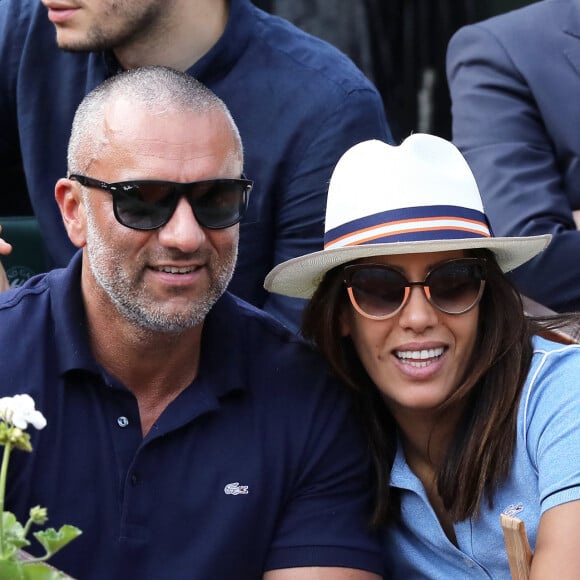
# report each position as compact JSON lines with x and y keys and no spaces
{"x":189,"y":434}
{"x":297,"y":101}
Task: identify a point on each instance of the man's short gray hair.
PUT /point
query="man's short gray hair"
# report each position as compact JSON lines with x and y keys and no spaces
{"x":157,"y":89}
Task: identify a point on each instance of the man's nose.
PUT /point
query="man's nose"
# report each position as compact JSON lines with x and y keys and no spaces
{"x":182,"y":231}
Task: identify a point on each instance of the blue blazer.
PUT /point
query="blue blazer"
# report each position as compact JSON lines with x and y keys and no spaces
{"x":515,"y":89}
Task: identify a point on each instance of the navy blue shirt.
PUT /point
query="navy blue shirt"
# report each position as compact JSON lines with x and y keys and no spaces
{"x":299,"y":104}
{"x":257,"y":465}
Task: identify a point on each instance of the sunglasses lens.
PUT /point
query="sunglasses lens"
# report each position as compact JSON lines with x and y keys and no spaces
{"x":219,"y":204}
{"x":456,"y":286}
{"x":144,"y":206}
{"x":377,"y":291}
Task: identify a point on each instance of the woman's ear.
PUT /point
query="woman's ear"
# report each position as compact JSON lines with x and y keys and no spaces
{"x":70,"y":202}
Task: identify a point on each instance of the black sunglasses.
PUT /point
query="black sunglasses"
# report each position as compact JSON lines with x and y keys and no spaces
{"x":148,"y":205}
{"x":378,"y":292}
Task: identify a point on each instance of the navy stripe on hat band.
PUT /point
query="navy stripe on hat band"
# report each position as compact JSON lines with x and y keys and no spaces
{"x":410,"y":224}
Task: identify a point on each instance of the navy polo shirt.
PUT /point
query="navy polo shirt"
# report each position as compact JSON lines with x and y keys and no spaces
{"x":257,"y":465}
{"x":298,"y":102}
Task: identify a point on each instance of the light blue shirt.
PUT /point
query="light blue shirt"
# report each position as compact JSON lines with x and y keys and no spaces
{"x":545,"y":473}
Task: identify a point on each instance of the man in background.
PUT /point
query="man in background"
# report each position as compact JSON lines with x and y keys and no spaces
{"x":514,"y":81}
{"x":299,"y":104}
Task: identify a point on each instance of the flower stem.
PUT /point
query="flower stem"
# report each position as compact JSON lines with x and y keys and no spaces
{"x":3,"y":473}
{"x":27,"y":526}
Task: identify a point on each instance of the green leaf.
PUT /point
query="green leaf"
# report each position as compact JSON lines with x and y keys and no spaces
{"x":11,"y":570}
{"x":53,"y":541}
{"x":42,"y":572}
{"x":13,"y":535}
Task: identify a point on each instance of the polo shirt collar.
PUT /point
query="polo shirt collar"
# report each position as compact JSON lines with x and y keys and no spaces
{"x":222,"y":370}
{"x":222,"y":366}
{"x":401,"y":474}
{"x":224,"y":349}
{"x":68,"y":315}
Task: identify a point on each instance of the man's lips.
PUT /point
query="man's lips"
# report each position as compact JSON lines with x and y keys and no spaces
{"x":59,"y":13}
{"x":176,"y":269}
{"x":178,"y":274}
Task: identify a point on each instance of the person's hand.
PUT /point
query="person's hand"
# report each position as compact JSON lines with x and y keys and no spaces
{"x":5,"y":249}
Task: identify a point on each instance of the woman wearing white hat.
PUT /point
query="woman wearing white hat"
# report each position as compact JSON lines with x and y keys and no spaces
{"x":469,"y":411}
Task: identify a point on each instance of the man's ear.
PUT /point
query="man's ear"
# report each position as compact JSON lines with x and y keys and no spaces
{"x":70,"y":202}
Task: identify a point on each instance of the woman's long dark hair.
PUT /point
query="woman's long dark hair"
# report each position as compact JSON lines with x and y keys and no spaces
{"x":480,"y":455}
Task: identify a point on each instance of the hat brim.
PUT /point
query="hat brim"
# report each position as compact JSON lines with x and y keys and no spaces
{"x":299,"y":277}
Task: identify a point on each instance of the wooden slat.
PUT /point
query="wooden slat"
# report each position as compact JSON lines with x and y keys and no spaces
{"x":518,"y":548}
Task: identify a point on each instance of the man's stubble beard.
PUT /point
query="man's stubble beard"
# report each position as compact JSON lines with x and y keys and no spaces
{"x":130,"y":298}
{"x":136,"y":28}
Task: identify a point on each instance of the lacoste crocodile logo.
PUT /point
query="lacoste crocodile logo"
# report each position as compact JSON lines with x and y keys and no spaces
{"x":236,"y":489}
{"x":513,"y":509}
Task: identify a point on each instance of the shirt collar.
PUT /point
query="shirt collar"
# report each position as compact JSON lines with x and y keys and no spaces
{"x":68,"y":315}
{"x":222,"y":57}
{"x":401,"y":474}
{"x":222,"y":362}
{"x":224,"y":351}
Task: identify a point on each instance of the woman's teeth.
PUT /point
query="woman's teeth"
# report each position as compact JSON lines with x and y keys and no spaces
{"x":419,"y":358}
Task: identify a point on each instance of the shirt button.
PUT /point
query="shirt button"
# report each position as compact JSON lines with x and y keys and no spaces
{"x":133,"y":479}
{"x":469,"y":563}
{"x":122,"y":421}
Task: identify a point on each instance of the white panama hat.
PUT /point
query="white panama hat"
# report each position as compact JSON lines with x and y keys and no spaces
{"x":382,"y":200}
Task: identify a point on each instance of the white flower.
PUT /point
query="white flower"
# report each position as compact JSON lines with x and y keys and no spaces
{"x":19,"y":411}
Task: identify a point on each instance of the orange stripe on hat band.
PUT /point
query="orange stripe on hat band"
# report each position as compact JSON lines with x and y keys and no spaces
{"x":412,"y":230}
